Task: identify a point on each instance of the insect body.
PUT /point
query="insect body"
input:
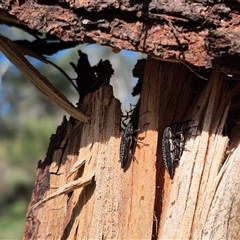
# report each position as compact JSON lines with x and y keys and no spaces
{"x":178,"y":143}
{"x":130,"y":134}
{"x":126,"y":144}
{"x":168,"y":151}
{"x":172,"y":146}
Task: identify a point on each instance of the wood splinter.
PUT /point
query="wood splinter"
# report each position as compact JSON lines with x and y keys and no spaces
{"x":76,"y":166}
{"x":69,"y":187}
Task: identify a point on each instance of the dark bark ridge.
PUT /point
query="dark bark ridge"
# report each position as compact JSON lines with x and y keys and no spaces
{"x":202,"y":33}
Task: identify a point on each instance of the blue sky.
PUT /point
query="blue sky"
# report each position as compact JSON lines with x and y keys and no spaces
{"x":122,"y":81}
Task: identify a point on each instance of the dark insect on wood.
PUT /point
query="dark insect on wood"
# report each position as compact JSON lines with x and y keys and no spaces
{"x":128,"y":139}
{"x":168,"y":151}
{"x":126,"y":144}
{"x":173,"y":145}
{"x":129,"y":136}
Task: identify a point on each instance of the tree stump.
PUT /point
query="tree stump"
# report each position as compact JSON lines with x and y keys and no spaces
{"x":141,"y":201}
{"x":81,"y":192}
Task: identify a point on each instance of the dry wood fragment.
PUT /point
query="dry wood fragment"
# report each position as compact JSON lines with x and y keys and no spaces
{"x":189,"y":199}
{"x":141,"y":201}
{"x":69,"y":187}
{"x":76,"y":167}
{"x":14,"y":54}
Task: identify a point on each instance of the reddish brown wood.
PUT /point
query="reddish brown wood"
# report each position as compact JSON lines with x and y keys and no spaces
{"x":170,"y":30}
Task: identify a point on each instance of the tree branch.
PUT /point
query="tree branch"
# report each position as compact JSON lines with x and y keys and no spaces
{"x":14,"y":54}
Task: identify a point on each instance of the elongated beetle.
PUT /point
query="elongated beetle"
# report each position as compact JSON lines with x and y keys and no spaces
{"x":129,"y":136}
{"x":172,"y":146}
{"x":128,"y":139}
{"x":126,"y":144}
{"x":168,"y":151}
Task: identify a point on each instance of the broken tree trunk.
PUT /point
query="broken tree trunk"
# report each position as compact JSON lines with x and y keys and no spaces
{"x":109,"y":207}
{"x":81,"y":191}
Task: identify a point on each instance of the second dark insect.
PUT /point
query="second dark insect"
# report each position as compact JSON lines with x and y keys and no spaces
{"x":126,"y":144}
{"x":172,"y":146}
{"x":168,"y":151}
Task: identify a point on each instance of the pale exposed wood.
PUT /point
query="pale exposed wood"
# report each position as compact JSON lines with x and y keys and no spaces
{"x":62,"y":214}
{"x":141,"y":201}
{"x":77,"y":165}
{"x":138,"y":182}
{"x":223,"y":218}
{"x":202,"y":196}
{"x":116,"y":204}
{"x":14,"y":54}
{"x":67,"y":188}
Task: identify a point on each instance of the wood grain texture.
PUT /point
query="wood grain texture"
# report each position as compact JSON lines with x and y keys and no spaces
{"x":197,"y":204}
{"x":141,"y":201}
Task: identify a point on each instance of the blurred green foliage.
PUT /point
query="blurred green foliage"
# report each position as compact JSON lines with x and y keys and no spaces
{"x":19,"y":154}
{"x":28,"y":120}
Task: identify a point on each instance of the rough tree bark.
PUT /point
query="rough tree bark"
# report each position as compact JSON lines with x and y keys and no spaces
{"x":204,"y":33}
{"x":81,"y":192}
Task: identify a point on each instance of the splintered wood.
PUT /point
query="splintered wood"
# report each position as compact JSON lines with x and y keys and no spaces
{"x":69,"y":187}
{"x":202,"y":199}
{"x":83,"y":193}
{"x":87,"y":194}
{"x":81,"y":160}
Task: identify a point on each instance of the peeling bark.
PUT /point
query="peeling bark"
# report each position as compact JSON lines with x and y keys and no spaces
{"x":169,"y":30}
